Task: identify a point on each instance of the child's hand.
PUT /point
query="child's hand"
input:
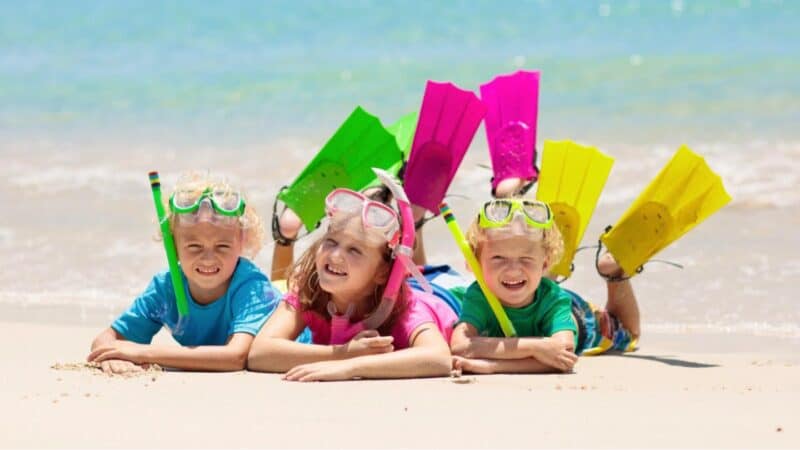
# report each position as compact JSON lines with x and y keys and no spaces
{"x":125,"y":350}
{"x":368,"y":342}
{"x":119,"y":367}
{"x":471,"y":365}
{"x":321,"y":371}
{"x":556,"y":353}
{"x":289,"y":224}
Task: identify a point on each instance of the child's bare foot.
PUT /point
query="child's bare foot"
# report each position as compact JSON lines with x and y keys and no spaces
{"x":509,"y":187}
{"x":608,"y":267}
{"x":289,"y":224}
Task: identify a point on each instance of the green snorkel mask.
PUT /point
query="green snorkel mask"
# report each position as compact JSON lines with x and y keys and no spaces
{"x":226,"y":205}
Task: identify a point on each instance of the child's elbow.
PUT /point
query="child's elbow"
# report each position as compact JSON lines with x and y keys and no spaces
{"x":238,"y":361}
{"x":258,"y":357}
{"x":443,"y":364}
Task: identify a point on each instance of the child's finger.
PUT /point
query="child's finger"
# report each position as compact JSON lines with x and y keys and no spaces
{"x":367,"y":334}
{"x":380,"y":341}
{"x":105,"y":366}
{"x":292,"y":374}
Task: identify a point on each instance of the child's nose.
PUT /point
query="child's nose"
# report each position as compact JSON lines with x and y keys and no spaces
{"x":336,"y":255}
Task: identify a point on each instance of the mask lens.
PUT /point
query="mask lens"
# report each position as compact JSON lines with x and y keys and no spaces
{"x":536,"y":211}
{"x":187,"y":199}
{"x":497,"y":211}
{"x":346,"y":201}
{"x":378,"y":216}
{"x":227,"y":200}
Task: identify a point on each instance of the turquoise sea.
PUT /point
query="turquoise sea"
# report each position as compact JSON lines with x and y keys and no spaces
{"x":244,"y":71}
{"x":94,"y":94}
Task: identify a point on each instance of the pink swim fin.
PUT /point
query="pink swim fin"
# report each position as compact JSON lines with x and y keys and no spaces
{"x":512,"y":107}
{"x":448,"y":120}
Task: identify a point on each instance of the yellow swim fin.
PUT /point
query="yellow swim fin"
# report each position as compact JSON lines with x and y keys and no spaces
{"x":682,"y":195}
{"x":570,"y":181}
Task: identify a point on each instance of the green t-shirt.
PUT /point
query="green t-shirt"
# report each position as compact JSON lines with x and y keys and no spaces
{"x":549,"y":312}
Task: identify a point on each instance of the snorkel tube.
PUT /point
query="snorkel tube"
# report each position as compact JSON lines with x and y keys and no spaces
{"x":494,"y":302}
{"x":169,"y":246}
{"x":403,"y":253}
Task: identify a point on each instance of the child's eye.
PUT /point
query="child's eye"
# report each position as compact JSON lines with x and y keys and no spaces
{"x":354,"y":250}
{"x":497,"y":258}
{"x":223,"y":246}
{"x":328,"y":242}
{"x":194,"y":247}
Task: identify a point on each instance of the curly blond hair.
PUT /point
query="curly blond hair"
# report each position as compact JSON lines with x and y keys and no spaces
{"x":250,"y":222}
{"x":550,"y":239}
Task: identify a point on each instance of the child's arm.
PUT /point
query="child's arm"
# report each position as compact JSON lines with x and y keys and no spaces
{"x":488,"y":366}
{"x":274,"y":349}
{"x":428,"y":356}
{"x":229,"y":357}
{"x":112,"y":366}
{"x":556,"y":351}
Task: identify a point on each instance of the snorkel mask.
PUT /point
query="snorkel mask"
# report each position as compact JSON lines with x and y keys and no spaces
{"x":397,"y":231}
{"x":218,"y":205}
{"x":515,"y":216}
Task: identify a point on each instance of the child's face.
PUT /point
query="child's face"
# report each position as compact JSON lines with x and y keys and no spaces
{"x":208,"y":255}
{"x":349,"y":267}
{"x":513,"y":268}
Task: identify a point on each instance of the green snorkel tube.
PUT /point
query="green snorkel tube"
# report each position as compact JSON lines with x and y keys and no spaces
{"x":169,"y":246}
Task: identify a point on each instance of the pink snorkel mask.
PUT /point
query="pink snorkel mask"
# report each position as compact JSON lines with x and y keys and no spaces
{"x":378,"y":216}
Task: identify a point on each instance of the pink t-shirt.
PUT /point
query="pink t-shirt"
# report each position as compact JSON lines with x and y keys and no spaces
{"x":422,"y":308}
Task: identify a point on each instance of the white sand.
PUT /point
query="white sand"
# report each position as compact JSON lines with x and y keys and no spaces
{"x":720,"y":397}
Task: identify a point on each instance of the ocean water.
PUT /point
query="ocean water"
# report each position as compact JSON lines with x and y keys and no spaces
{"x":95,"y":94}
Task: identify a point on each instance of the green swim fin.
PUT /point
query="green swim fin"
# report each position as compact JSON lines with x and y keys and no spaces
{"x":403,"y":131}
{"x":346,"y":160}
{"x":682,"y":195}
{"x":570,"y":181}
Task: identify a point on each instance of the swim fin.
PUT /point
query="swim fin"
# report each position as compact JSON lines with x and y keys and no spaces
{"x":448,"y":120}
{"x":403,"y":131}
{"x":346,"y":160}
{"x":682,"y":195}
{"x":512,"y":107}
{"x":571,"y":180}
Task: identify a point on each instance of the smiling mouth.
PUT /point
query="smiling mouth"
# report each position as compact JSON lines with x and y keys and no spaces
{"x":514,"y":284}
{"x":334,"y":271}
{"x":207,"y":270}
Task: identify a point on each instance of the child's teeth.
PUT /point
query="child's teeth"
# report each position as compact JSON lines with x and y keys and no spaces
{"x":336,"y":272}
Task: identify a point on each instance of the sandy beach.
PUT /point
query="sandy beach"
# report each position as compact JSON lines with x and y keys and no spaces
{"x":677,"y":391}
{"x":94,"y":95}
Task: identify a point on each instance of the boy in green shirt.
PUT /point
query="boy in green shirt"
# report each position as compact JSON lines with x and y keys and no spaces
{"x":516,"y":242}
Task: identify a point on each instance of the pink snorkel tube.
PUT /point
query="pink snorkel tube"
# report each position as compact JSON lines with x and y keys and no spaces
{"x":342,"y":330}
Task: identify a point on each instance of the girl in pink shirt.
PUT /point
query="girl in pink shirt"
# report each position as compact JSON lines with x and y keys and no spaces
{"x":341,"y":279}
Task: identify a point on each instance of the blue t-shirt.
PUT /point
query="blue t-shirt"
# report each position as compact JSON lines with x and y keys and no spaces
{"x":245,"y":306}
